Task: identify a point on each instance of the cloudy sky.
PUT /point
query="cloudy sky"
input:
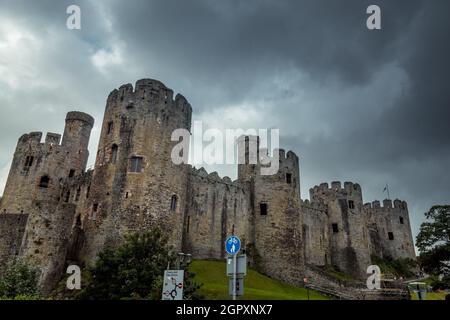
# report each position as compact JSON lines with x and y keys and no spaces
{"x":356,"y":105}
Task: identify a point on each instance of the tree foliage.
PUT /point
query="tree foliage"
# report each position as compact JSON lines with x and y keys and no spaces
{"x":134,"y":270}
{"x":433,"y":240}
{"x":19,"y":279}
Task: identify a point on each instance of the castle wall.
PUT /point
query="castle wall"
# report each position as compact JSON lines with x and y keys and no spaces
{"x":315,"y":233}
{"x":215,"y":207}
{"x":12,"y":229}
{"x":349,"y":237}
{"x":391,"y":235}
{"x":46,"y":240}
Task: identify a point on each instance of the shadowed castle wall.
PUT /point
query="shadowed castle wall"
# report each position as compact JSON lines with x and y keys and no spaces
{"x":12,"y":230}
{"x":348,"y":234}
{"x":391,"y":235}
{"x":316,"y":233}
{"x":215,"y":207}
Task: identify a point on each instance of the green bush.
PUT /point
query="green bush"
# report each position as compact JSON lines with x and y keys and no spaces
{"x":400,"y":268}
{"x":132,"y":271}
{"x":19,"y":279}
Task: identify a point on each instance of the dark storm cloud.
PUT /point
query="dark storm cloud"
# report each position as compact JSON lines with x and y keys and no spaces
{"x":367,"y":106}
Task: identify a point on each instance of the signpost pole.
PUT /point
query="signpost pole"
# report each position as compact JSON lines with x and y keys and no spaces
{"x":234,"y":277}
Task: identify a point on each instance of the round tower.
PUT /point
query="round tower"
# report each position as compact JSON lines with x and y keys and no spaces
{"x":135,"y":183}
{"x":75,"y":141}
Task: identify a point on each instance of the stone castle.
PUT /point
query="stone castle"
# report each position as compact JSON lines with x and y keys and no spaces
{"x":54,"y":211}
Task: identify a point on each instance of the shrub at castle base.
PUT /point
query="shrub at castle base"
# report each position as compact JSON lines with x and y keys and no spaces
{"x":132,"y":271}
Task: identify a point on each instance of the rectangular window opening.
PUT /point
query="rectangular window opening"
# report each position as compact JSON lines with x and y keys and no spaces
{"x":351,"y":204}
{"x":136,"y":164}
{"x":335,"y":227}
{"x":390,"y":236}
{"x":288,"y":178}
{"x":263,"y":208}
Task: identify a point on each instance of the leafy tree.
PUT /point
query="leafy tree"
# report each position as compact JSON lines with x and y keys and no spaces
{"x":19,"y":279}
{"x":132,"y":271}
{"x":433,"y":240}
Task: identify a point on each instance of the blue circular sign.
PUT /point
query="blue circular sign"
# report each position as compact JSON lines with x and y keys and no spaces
{"x":233,"y":245}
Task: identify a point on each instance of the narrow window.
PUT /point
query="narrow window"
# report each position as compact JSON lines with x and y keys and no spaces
{"x":94,"y":211}
{"x":71,"y":173}
{"x":390,"y":236}
{"x":126,"y":195}
{"x":351,"y":204}
{"x":401,"y":220}
{"x":288,"y":178}
{"x":335,"y":228}
{"x":173,"y":203}
{"x":44,"y":182}
{"x":136,"y":164}
{"x":263,"y":209}
{"x":67,"y":196}
{"x":28,"y":162}
{"x":88,"y":190}
{"x":77,"y":195}
{"x":114,"y":150}
{"x":110,"y":127}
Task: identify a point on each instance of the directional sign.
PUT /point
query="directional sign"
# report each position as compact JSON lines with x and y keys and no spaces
{"x":173,"y":285}
{"x":233,"y":245}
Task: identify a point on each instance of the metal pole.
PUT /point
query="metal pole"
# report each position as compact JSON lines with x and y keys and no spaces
{"x":234,"y":277}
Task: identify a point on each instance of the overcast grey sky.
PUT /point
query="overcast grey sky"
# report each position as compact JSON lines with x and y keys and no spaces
{"x":356,"y":105}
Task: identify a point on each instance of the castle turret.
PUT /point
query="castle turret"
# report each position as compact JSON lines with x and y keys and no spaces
{"x":390,"y":232}
{"x":135,"y":183}
{"x":347,"y":226}
{"x":76,"y":141}
{"x":277,"y":222}
{"x":38,"y":168}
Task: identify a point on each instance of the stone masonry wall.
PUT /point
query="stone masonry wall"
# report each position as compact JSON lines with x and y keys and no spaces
{"x":214,"y":208}
{"x":12,"y":229}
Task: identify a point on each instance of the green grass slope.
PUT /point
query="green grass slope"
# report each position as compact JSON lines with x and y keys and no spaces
{"x":256,"y":286}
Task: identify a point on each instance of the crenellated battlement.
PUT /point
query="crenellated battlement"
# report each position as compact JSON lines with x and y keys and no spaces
{"x":147,"y":90}
{"x":387,"y":205}
{"x":214,"y":176}
{"x":335,"y":189}
{"x":35,"y":139}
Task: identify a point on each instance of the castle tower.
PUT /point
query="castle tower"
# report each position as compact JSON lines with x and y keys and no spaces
{"x":135,"y":184}
{"x":75,"y":141}
{"x":38,"y":167}
{"x":277,"y":222}
{"x":390,"y":229}
{"x":348,"y":233}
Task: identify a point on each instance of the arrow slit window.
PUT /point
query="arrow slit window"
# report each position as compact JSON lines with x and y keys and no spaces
{"x":173,"y":203}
